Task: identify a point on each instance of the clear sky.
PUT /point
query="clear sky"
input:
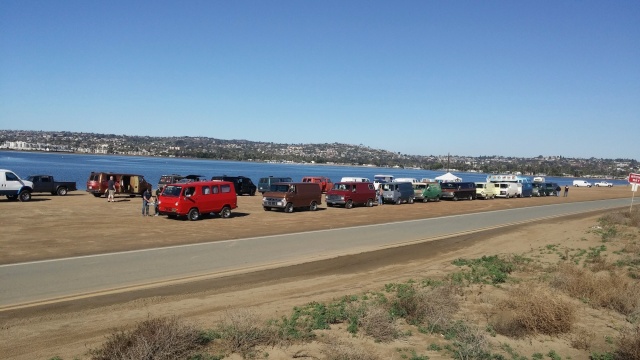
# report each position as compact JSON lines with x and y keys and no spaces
{"x":512,"y":78}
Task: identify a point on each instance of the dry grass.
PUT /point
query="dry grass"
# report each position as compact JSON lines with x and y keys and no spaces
{"x":582,"y":339}
{"x":534,"y":310}
{"x":242,"y":331}
{"x":378,"y":323}
{"x":610,"y":290}
{"x":631,"y":219}
{"x":339,"y":350}
{"x":629,"y":344}
{"x":158,"y":339}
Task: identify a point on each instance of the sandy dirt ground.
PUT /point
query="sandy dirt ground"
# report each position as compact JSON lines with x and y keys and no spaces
{"x":79,"y":224}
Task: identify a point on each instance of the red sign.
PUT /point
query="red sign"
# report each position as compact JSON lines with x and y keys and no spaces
{"x":634,"y":178}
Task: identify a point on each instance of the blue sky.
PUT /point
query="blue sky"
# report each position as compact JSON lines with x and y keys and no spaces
{"x":510,"y":78}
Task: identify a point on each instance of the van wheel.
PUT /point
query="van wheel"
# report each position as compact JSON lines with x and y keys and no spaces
{"x":398,"y":201}
{"x":314,"y":206}
{"x":24,"y":196}
{"x":411,"y":200}
{"x":425,"y":200}
{"x":225,"y":213}
{"x":97,"y":195}
{"x":288,"y":208}
{"x":370,"y":203}
{"x":193,"y":215}
{"x":252,"y":193}
{"x":471,"y":197}
{"x":455,"y":198}
{"x":266,"y":208}
{"x":348,"y":204}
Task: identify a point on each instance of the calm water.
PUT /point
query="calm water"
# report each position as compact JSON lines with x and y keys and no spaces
{"x":77,"y":167}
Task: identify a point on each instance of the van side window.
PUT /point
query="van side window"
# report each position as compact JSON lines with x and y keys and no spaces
{"x":11,"y":176}
{"x":189,"y":191}
{"x":206,"y":190}
{"x":225,"y":188}
{"x":215,"y":189}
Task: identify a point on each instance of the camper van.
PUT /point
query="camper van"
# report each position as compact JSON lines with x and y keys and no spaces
{"x":129,"y":184}
{"x":264,"y":184}
{"x":354,"y":179}
{"x":349,"y":194}
{"x":378,"y":179}
{"x":290,"y":196}
{"x":196,"y":198}
{"x":507,"y":190}
{"x":486,"y":190}
{"x":397,"y":193}
{"x":458,"y":190}
{"x":430,"y":191}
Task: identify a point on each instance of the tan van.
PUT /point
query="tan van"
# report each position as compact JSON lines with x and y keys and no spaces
{"x":289,"y":196}
{"x":128,"y":184}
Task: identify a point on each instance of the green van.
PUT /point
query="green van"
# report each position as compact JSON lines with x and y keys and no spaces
{"x":431,"y":192}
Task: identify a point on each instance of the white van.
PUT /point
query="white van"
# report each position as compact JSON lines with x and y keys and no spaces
{"x":377,"y":179}
{"x":354,"y":179}
{"x":507,"y":190}
{"x":409,"y":180}
{"x":579,"y":183}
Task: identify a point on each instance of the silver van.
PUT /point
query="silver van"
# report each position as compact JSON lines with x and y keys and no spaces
{"x":265,"y":183}
{"x":397,"y":192}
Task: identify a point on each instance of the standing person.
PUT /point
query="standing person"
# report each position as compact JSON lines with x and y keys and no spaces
{"x":146,"y":198}
{"x":111,"y":189}
{"x":558,"y":188}
{"x":380,"y":195}
{"x":566,"y":190}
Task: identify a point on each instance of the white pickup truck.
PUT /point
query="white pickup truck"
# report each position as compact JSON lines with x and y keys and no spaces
{"x":13,"y":187}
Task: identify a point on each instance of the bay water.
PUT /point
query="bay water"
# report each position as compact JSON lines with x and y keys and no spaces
{"x":77,"y":167}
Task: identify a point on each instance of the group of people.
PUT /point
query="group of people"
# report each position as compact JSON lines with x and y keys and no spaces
{"x":147,"y":198}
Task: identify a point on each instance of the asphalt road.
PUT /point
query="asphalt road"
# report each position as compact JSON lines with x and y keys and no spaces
{"x":55,"y":280}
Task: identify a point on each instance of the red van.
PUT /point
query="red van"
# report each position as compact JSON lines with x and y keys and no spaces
{"x":196,"y":198}
{"x":324,"y":182}
{"x":349,"y":194}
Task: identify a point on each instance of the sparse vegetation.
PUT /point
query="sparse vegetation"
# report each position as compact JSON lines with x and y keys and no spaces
{"x":432,"y":307}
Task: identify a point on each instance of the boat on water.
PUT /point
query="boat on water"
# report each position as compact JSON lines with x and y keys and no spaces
{"x":538,"y":179}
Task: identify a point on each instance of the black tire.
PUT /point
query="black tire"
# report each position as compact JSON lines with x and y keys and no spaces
{"x":266,"y":208}
{"x":411,"y":200}
{"x":348,"y":204}
{"x":24,"y":196}
{"x":314,"y":206}
{"x":97,"y":195}
{"x":225,"y":213}
{"x":470,"y":196}
{"x":288,"y":208}
{"x":455,"y":198}
{"x":398,"y":201}
{"x":370,"y":203}
{"x":193,"y":215}
{"x":62,"y":191}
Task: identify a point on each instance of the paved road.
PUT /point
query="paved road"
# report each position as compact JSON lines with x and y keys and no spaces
{"x":52,"y":280}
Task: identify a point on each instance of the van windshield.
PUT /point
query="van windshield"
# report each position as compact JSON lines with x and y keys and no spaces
{"x":341,"y":187}
{"x":504,"y":186}
{"x":279,"y":188}
{"x":449,"y":186}
{"x":172,"y":191}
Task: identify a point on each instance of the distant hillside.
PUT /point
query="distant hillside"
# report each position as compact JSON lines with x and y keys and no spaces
{"x":333,"y":153}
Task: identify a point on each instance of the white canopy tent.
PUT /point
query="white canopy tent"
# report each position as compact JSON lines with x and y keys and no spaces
{"x":448,"y":177}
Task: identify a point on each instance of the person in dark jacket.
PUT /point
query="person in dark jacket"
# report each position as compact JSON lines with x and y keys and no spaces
{"x":146,"y":198}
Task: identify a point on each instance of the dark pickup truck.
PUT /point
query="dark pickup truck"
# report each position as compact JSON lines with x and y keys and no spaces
{"x":46,"y":183}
